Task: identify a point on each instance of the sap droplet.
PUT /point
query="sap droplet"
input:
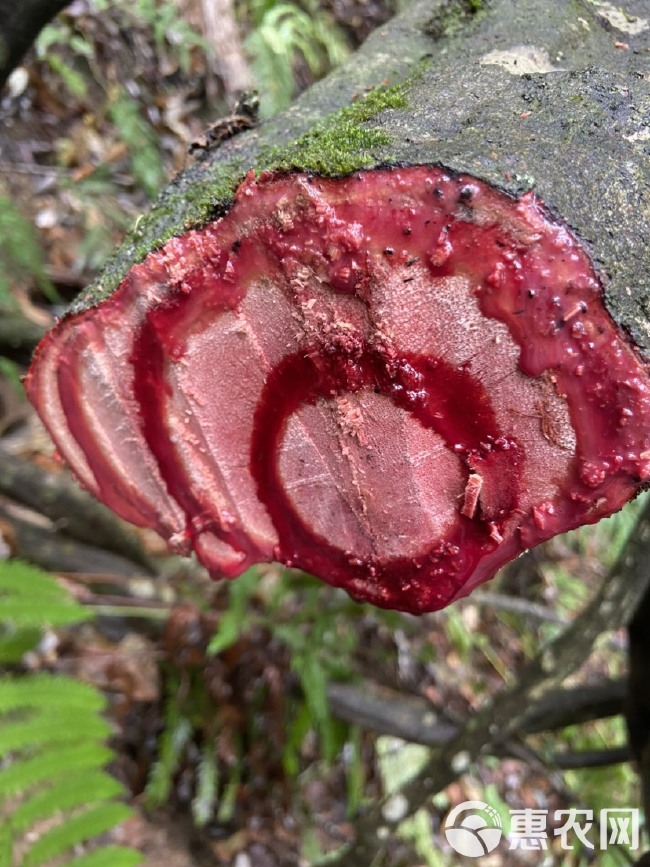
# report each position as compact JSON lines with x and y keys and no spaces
{"x":594,"y":474}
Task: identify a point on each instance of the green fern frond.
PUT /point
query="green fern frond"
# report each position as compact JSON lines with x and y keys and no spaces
{"x":139,"y":136}
{"x":50,"y":764}
{"x":20,"y":578}
{"x":110,"y":856}
{"x":282,"y":33}
{"x":49,"y":729}
{"x":173,"y":741}
{"x":50,"y":693}
{"x":51,"y":734}
{"x":67,"y":794}
{"x":30,"y":598}
{"x":16,"y":642}
{"x":5,"y":847}
{"x":79,"y":828}
{"x":206,"y":787}
{"x":20,"y":253}
{"x":54,"y":613}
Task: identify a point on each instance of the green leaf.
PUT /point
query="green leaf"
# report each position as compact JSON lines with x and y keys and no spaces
{"x":139,"y":136}
{"x":14,"y":643}
{"x":20,"y":578}
{"x":31,"y":598}
{"x":51,"y":733}
{"x":53,"y":693}
{"x":20,"y":253}
{"x":110,"y":856}
{"x":76,"y":829}
{"x":6,"y":855}
{"x":298,"y":727}
{"x":12,"y":373}
{"x":173,"y":741}
{"x":50,"y":729}
{"x":72,"y":79}
{"x":82,"y":788}
{"x":206,"y":787}
{"x":49,"y":764}
{"x":355,"y":773}
{"x":25,"y":613}
{"x":234,"y":618}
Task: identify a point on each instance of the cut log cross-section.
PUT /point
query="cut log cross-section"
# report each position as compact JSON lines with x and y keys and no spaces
{"x":396,"y":377}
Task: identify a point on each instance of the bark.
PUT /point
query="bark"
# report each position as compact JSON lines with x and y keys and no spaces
{"x":414,"y":719}
{"x":20,"y":24}
{"x":637,"y":703}
{"x":73,"y":511}
{"x":574,"y":126}
{"x":56,"y":552}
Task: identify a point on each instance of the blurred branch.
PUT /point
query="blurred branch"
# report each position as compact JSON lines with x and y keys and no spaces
{"x":498,"y":601}
{"x":20,"y":24}
{"x":55,"y":495}
{"x":576,"y":705}
{"x":56,"y":552}
{"x":414,"y":719}
{"x":503,"y":717}
{"x":592,"y":758}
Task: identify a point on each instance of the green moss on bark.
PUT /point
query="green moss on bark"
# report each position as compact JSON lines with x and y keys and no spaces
{"x":339,"y":144}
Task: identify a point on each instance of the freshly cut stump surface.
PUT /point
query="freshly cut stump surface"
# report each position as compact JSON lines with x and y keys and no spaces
{"x":396,"y":381}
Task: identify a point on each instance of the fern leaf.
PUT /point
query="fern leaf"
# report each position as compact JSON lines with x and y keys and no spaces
{"x":66,"y":794}
{"x":173,"y":740}
{"x":30,"y":597}
{"x":6,"y":859}
{"x":76,"y":829}
{"x":49,"y":764}
{"x":26,"y":611}
{"x":110,"y":856}
{"x":206,"y":789}
{"x":51,"y":733}
{"x":271,"y":68}
{"x":20,"y":253}
{"x":32,"y":733}
{"x":52,"y":693}
{"x":20,"y":578}
{"x":14,"y":643}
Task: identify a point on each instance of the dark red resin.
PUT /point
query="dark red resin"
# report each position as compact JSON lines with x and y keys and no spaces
{"x":397,"y":381}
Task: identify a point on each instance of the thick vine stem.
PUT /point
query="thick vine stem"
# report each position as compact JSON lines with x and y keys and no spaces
{"x":521,"y":93}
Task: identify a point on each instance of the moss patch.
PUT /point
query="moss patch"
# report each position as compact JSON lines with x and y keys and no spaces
{"x":339,"y":144}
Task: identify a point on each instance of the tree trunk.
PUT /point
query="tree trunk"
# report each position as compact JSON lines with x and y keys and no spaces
{"x":20,"y":24}
{"x":552,"y":95}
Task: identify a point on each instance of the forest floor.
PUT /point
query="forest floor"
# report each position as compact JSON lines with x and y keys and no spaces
{"x":308,"y":705}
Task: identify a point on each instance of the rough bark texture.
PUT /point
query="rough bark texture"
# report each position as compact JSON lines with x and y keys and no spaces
{"x":574,"y":126}
{"x":20,"y":24}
